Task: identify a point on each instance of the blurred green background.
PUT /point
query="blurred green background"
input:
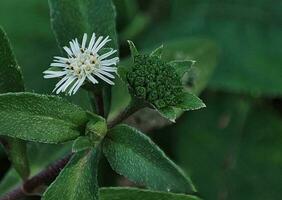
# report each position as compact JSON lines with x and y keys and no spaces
{"x":231,"y":149}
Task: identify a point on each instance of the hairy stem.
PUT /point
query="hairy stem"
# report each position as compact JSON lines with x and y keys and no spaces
{"x":44,"y":177}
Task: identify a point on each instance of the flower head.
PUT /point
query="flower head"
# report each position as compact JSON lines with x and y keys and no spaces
{"x":155,"y":81}
{"x":158,"y":84}
{"x":83,"y":63}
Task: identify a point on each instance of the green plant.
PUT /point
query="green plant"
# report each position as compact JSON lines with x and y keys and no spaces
{"x":152,"y":82}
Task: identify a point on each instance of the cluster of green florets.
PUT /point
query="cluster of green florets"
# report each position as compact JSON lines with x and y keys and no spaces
{"x":155,"y":81}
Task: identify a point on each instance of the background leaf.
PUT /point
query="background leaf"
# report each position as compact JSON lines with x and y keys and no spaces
{"x":135,"y":156}
{"x":11,"y":81}
{"x":231,"y":149}
{"x":72,"y":18}
{"x":40,"y":118}
{"x":80,"y":175}
{"x":139,"y":194}
{"x":250,"y":41}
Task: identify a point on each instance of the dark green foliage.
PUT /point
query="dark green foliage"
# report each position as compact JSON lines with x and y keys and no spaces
{"x":155,"y":81}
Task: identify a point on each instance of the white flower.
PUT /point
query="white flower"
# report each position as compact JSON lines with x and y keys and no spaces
{"x":83,"y":63}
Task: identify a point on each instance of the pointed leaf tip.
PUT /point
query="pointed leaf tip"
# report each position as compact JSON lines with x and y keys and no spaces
{"x":133,"y":49}
{"x":158,"y":52}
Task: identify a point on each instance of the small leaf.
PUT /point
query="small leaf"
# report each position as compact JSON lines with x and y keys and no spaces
{"x":168,"y":113}
{"x":133,"y":155}
{"x":40,"y":118}
{"x":96,"y":128}
{"x":133,"y":49}
{"x":182,"y":66}
{"x":120,"y":193}
{"x":81,"y":143}
{"x":78,"y":180}
{"x":158,"y":52}
{"x":11,"y":81}
{"x":191,"y":102}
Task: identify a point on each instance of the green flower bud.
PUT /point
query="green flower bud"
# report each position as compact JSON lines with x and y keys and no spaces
{"x":155,"y":81}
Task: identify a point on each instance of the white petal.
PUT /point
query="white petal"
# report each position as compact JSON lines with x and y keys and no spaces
{"x":81,"y":81}
{"x":58,"y":65}
{"x":112,"y":61}
{"x":74,"y":85}
{"x":73,"y":48}
{"x":68,"y":51}
{"x":109,"y":69}
{"x":61,"y":82}
{"x":92,"y":79}
{"x":107,"y":54}
{"x":104,"y":79}
{"x":62,"y":59}
{"x":105,"y":41}
{"x":84,"y":40}
{"x":92,"y":41}
{"x":106,"y":73}
{"x":50,"y":74}
{"x":67,"y":83}
{"x":96,"y":44}
{"x":77,"y":45}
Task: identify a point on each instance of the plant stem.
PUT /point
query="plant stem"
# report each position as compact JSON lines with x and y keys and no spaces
{"x":44,"y":177}
{"x":129,"y":110}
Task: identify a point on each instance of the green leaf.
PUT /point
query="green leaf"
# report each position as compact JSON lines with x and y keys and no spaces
{"x":96,"y":128}
{"x":40,"y":118}
{"x":191,"y":102}
{"x":78,"y":180}
{"x":133,"y":155}
{"x":203,"y":51}
{"x":121,"y":193}
{"x":182,"y":66}
{"x":158,"y":52}
{"x":11,"y":81}
{"x":133,"y":49}
{"x":73,"y":18}
{"x":168,"y":112}
{"x":81,"y":143}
